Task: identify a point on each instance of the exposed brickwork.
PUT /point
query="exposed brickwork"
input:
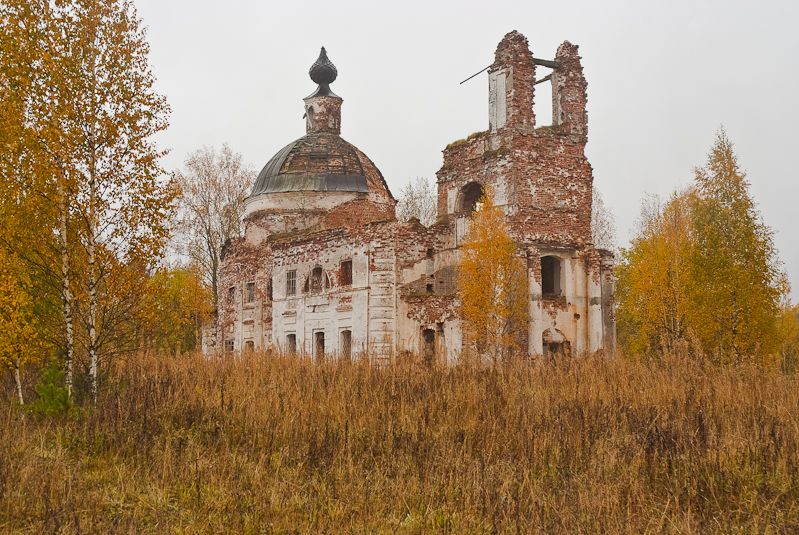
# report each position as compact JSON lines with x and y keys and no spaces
{"x":357,"y":212}
{"x":540,"y":174}
{"x":401,"y":296}
{"x":322,"y":152}
{"x":323,"y":114}
{"x":513,"y":55}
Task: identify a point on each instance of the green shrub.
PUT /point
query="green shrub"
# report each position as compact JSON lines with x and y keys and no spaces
{"x":52,"y":396}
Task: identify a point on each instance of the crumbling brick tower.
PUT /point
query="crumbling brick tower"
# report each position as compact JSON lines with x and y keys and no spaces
{"x":542,"y":179}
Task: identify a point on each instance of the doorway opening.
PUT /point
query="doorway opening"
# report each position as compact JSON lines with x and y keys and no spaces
{"x":428,"y":346}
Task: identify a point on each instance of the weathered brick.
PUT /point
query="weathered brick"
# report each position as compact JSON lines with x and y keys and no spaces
{"x":403,"y":292}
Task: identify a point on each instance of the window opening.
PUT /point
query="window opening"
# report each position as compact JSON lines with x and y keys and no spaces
{"x":544,"y":112}
{"x":249,"y":292}
{"x":319,"y":345}
{"x":346,"y":344}
{"x":550,"y":276}
{"x":291,"y":282}
{"x":317,"y":281}
{"x":553,"y":350}
{"x":471,"y":198}
{"x":291,"y":344}
{"x":346,"y":273}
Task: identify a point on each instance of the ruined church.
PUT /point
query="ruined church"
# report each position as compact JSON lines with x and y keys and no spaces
{"x":325,"y":269}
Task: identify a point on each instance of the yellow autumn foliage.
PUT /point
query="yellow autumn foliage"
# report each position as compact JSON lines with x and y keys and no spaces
{"x":703,"y":275}
{"x":19,"y":340}
{"x":492,"y":285}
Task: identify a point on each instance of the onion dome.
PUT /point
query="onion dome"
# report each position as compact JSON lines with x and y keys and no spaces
{"x":324,"y":73}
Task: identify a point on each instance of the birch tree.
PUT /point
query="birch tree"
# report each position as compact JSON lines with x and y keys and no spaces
{"x":30,"y":183}
{"x":736,"y":278}
{"x":653,"y":278}
{"x":213,"y":187}
{"x":81,"y":159}
{"x":104,"y":116}
{"x":492,"y":284}
{"x":18,"y":325}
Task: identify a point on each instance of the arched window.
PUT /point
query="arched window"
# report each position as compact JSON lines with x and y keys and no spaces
{"x":471,"y":198}
{"x":555,"y":344}
{"x":550,"y":276}
{"x":317,"y":281}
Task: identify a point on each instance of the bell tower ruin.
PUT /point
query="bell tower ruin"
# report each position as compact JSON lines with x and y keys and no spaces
{"x":543,"y":181}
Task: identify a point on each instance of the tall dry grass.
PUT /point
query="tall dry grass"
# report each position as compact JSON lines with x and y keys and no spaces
{"x":264,"y":444}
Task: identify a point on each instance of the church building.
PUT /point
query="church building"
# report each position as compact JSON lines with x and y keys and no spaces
{"x":325,"y":269}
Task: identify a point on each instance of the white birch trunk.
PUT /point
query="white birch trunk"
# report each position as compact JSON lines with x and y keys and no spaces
{"x":92,"y":261}
{"x":92,"y":317}
{"x":18,"y":381}
{"x":66,"y":296}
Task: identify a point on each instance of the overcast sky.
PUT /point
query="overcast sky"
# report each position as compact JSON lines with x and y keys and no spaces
{"x":662,"y":77}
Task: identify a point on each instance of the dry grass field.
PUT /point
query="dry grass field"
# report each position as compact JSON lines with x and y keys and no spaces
{"x":263,"y":444}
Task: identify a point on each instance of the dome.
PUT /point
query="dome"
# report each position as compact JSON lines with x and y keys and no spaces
{"x":320,"y":161}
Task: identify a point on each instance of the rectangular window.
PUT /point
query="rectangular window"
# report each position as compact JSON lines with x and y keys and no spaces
{"x":291,"y":344}
{"x":346,"y":273}
{"x":231,"y":294}
{"x":291,"y":282}
{"x":550,"y":276}
{"x":319,"y":345}
{"x":249,"y":292}
{"x":269,"y":290}
{"x":229,"y":345}
{"x":346,"y":344}
{"x":429,"y":346}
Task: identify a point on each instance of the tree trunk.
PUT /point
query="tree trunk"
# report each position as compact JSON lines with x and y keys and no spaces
{"x":66,"y":295}
{"x":92,"y":260}
{"x":214,"y":276}
{"x":18,"y":381}
{"x":91,"y":251}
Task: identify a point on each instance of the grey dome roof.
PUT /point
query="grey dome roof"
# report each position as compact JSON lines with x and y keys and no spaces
{"x":319,"y":161}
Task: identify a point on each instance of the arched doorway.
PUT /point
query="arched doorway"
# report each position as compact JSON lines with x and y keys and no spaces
{"x":556,"y":346}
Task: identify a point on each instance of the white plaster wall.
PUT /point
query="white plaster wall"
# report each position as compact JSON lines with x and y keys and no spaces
{"x":331,"y":311}
{"x":579,"y":321}
{"x":299,"y":200}
{"x":497,"y":99}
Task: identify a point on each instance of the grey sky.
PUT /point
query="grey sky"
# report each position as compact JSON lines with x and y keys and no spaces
{"x":662,"y":77}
